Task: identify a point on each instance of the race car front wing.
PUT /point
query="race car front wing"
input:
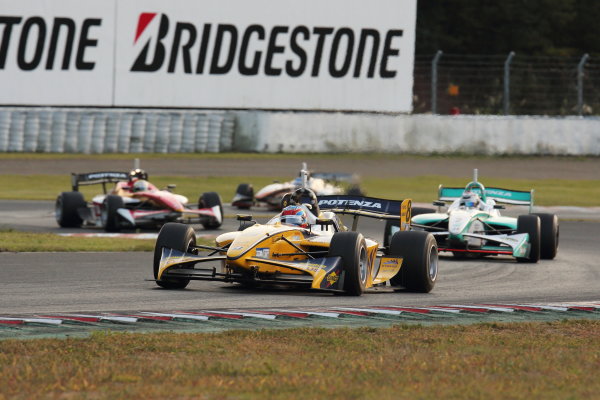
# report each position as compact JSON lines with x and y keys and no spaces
{"x":325,"y":273}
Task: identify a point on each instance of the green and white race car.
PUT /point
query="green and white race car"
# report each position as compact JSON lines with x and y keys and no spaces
{"x":472,"y":225}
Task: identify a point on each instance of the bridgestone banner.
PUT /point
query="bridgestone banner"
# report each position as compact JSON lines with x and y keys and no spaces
{"x":246,"y":54}
{"x":57,"y":52}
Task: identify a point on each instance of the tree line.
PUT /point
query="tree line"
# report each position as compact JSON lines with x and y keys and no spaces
{"x":532,"y":27}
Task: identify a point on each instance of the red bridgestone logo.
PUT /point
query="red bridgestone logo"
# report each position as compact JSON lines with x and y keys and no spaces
{"x":144,"y":20}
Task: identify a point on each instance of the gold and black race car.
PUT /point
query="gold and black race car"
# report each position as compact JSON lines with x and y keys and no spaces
{"x":323,"y":254}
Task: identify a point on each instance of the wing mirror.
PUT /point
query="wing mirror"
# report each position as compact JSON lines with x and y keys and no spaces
{"x":499,"y":207}
{"x":170,"y":187}
{"x":439,"y":203}
{"x":244,"y":217}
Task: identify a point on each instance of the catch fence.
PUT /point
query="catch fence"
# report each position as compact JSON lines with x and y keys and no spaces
{"x":508,"y":84}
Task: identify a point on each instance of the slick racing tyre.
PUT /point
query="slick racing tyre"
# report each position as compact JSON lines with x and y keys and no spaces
{"x":420,"y":260}
{"x":210,"y":200}
{"x":65,"y":209}
{"x":355,"y":190}
{"x":548,"y":236}
{"x":111,"y":222}
{"x":530,"y":224}
{"x":392,"y":226}
{"x":351,"y":246}
{"x":245,"y":191}
{"x":174,"y":236}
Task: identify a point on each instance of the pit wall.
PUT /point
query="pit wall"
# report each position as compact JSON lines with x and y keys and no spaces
{"x":85,"y":130}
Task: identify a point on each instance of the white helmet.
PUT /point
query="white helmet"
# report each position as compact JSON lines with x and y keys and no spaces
{"x":140,"y":186}
{"x":469,"y":200}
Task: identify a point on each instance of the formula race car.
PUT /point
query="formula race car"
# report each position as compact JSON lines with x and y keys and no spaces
{"x":133,"y":202}
{"x":271,"y":195}
{"x":305,"y":245}
{"x":473,"y":226}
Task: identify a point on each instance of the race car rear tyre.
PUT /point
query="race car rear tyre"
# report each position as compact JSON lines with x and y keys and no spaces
{"x":210,"y":200}
{"x":245,"y":190}
{"x":420,"y":260}
{"x":351,"y":246}
{"x":175,"y":236}
{"x":111,"y":222}
{"x":355,"y":190}
{"x":390,"y":224}
{"x":549,"y":236}
{"x":65,"y":209}
{"x":530,"y":224}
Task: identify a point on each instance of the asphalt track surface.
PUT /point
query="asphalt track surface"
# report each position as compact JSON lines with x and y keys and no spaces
{"x":104,"y":282}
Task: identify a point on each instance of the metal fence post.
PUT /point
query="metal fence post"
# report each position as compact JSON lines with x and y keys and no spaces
{"x":434,"y":65}
{"x":580,"y":67}
{"x":507,"y":81}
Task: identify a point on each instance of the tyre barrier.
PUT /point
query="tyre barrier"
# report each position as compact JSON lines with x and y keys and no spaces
{"x":91,"y":131}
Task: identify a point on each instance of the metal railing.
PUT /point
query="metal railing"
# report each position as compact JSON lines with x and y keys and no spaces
{"x":508,"y":84}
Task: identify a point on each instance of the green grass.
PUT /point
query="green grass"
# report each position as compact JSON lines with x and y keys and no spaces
{"x":548,"y":361}
{"x":47,"y":187}
{"x":420,"y":189}
{"x":548,"y":192}
{"x":11,"y":240}
{"x":15,"y":241}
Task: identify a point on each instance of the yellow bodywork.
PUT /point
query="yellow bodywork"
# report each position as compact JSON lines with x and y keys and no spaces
{"x":280,"y":249}
{"x":248,"y":250}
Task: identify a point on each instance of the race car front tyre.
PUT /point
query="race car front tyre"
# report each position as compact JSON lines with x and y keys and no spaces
{"x":420,"y":260}
{"x":530,"y":224}
{"x":352,"y":248}
{"x":210,"y":200}
{"x":109,"y":215}
{"x":391,"y":224}
{"x":548,"y":236}
{"x":174,"y":236}
{"x":65,"y":210}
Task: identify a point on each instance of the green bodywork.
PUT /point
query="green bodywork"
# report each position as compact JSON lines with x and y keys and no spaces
{"x":518,"y":243}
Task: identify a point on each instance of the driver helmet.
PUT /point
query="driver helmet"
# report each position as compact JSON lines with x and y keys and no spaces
{"x":306,"y":196}
{"x":469,"y":200}
{"x":140,"y":186}
{"x":137,"y":174}
{"x":294,"y":215}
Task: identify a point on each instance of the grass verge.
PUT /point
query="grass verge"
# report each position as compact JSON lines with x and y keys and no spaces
{"x":548,"y":192}
{"x":15,"y":241}
{"x":553,"y":360}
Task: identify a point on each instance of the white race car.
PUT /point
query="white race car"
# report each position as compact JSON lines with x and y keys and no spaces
{"x":323,"y":184}
{"x":472,"y":225}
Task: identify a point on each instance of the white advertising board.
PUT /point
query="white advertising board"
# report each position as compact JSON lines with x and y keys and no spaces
{"x":352,"y":55}
{"x":267,"y":54}
{"x":57,"y":52}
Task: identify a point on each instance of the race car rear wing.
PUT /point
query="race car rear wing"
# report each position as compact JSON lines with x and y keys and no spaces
{"x":94,"y":178}
{"x":370,"y":207}
{"x":506,"y":196}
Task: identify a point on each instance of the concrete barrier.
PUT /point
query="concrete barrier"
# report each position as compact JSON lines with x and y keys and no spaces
{"x":416,"y":134}
{"x":88,"y":130}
